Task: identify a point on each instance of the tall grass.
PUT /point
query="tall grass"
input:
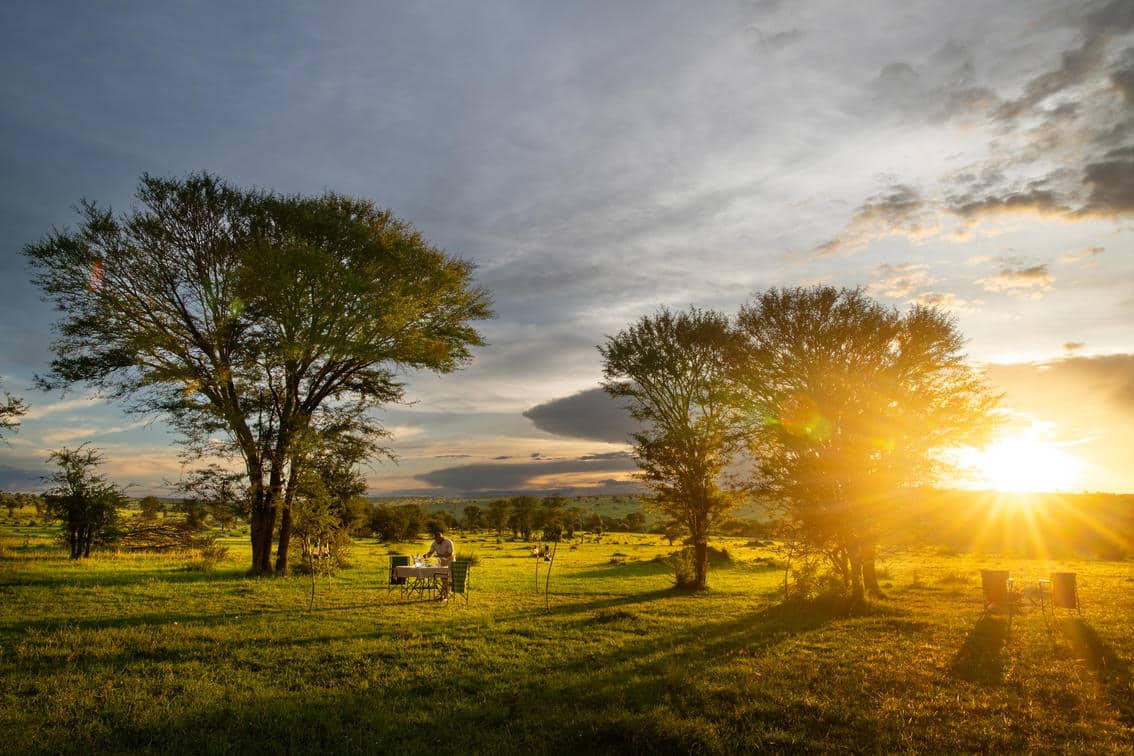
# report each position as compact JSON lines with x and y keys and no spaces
{"x":138,"y":654}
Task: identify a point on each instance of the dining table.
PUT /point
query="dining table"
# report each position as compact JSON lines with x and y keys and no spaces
{"x":421,"y":580}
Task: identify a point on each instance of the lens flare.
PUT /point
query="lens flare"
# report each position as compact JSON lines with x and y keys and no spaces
{"x":800,"y":416}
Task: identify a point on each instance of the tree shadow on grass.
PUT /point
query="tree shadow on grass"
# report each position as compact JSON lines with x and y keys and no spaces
{"x":121,"y":578}
{"x":630,"y":568}
{"x":639,"y":694}
{"x":980,"y":658}
{"x":616,"y":700}
{"x":1112,"y":672}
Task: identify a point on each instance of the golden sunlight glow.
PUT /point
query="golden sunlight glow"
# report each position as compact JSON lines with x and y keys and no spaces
{"x":1024,"y":464}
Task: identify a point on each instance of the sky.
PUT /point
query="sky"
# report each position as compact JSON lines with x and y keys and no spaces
{"x":598,"y":161}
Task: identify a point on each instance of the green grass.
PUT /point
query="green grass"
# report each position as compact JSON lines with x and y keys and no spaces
{"x":139,"y":654}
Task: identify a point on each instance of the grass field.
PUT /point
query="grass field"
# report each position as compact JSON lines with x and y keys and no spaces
{"x":139,"y":654}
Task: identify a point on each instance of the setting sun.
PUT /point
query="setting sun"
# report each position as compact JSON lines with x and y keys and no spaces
{"x":1021,"y":464}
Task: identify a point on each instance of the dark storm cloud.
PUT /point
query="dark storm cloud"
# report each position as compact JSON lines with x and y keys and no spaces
{"x":592,"y":415}
{"x":20,"y":479}
{"x":489,"y":478}
{"x":1112,"y":184}
{"x":1122,"y":76}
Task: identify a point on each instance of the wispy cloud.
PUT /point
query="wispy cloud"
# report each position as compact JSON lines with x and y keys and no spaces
{"x":1030,"y":281}
{"x":1086,"y":256}
{"x":899,"y":281}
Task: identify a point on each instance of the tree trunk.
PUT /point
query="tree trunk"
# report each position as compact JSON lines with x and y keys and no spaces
{"x":262,"y":525}
{"x":285,"y":539}
{"x":869,"y":575}
{"x":701,"y":561}
{"x":855,"y":554}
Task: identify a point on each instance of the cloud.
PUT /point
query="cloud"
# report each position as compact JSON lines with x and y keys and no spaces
{"x":1086,"y":399}
{"x":1112,"y":184}
{"x":899,"y":281}
{"x":1072,"y":386}
{"x":42,"y":410}
{"x":1037,"y":201}
{"x":899,"y":211}
{"x":1061,"y":146}
{"x":591,"y":415}
{"x":942,"y":301}
{"x":21,"y":479}
{"x":1089,"y":254}
{"x":491,"y":479}
{"x":1029,"y":281}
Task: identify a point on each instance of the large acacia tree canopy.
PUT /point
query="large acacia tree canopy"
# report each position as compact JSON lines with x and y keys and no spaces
{"x":213,"y":295}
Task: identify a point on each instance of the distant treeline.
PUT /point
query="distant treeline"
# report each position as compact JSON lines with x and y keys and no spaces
{"x":1085,"y":525}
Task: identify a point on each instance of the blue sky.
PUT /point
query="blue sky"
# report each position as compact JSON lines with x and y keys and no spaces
{"x":597,"y":161}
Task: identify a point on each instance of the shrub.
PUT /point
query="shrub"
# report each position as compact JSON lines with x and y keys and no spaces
{"x":208,"y":557}
{"x":811,"y":581}
{"x":684,"y":568}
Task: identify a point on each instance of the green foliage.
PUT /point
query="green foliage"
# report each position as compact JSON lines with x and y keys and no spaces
{"x":83,"y":500}
{"x":149,"y":507}
{"x":474,"y":517}
{"x":397,"y":523}
{"x":684,"y":566}
{"x":254,"y":317}
{"x":208,"y":556}
{"x":674,"y":368}
{"x":11,"y":408}
{"x":850,"y":404}
{"x":499,"y":511}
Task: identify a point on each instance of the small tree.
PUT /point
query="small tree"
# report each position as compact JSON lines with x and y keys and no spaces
{"x":397,"y":524}
{"x":522,"y":519}
{"x":82,"y":498}
{"x":474,"y":517}
{"x":499,"y":511}
{"x":673,"y":367}
{"x":149,"y":507}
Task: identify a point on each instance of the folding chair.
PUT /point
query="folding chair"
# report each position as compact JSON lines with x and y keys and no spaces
{"x":1064,"y":594}
{"x":459,"y":578}
{"x":998,"y":592}
{"x":398,"y":560}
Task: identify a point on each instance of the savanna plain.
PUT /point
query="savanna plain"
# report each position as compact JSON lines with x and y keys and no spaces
{"x":594,"y":652}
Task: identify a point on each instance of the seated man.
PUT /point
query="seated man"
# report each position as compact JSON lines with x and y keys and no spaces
{"x":442,"y":548}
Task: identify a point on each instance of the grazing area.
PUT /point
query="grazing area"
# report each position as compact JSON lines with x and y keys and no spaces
{"x":148,"y":653}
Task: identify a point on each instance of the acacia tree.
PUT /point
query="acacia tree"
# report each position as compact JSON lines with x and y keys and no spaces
{"x":498,"y":513}
{"x":673,"y":367}
{"x":241,"y":314}
{"x":83,"y":499}
{"x":854,"y":404}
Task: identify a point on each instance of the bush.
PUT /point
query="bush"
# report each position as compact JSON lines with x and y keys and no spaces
{"x":208,"y":557}
{"x":811,"y":581}
{"x":684,"y":567}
